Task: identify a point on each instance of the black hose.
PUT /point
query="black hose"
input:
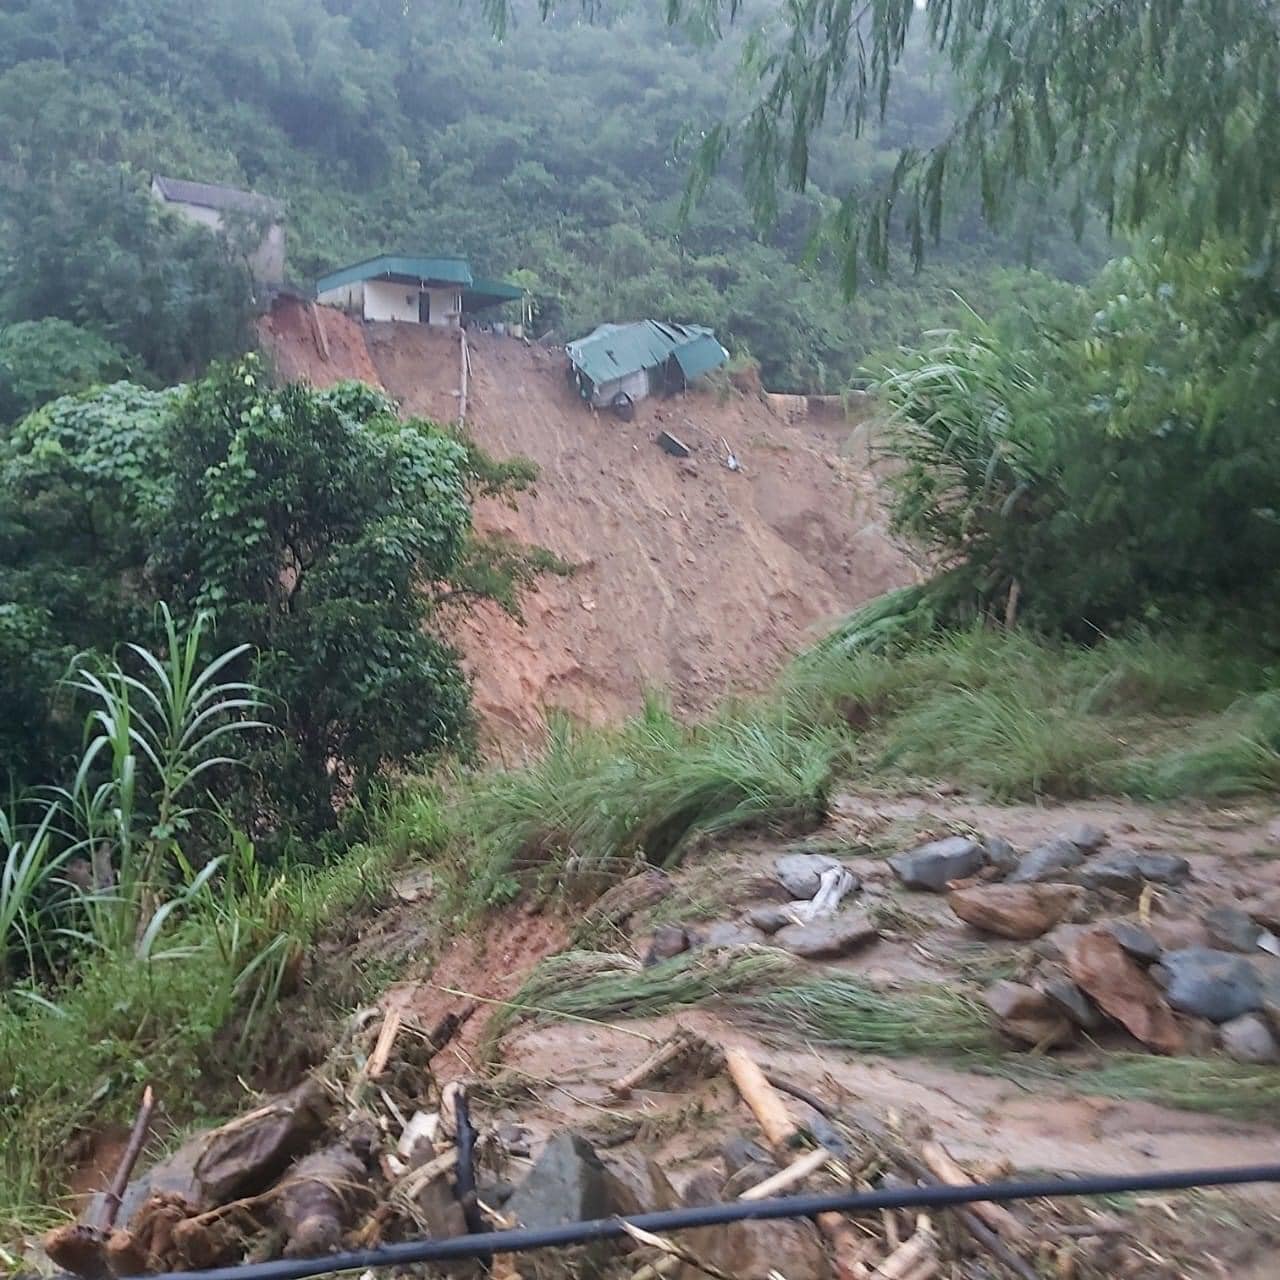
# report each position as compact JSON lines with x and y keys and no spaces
{"x":464,"y":1180}
{"x":522,"y":1240}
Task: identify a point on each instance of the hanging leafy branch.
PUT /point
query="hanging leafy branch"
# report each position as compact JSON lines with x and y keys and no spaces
{"x":1157,"y":112}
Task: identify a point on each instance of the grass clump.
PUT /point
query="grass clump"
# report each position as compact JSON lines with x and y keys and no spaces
{"x":602,"y":986}
{"x":846,"y":1012}
{"x":599,"y":800}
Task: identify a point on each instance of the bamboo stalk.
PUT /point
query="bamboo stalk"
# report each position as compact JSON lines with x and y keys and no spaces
{"x":664,"y":1054}
{"x":796,"y":1171}
{"x":775,"y":1122}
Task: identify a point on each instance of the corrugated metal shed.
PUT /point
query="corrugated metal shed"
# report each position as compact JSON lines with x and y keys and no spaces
{"x":612,"y":351}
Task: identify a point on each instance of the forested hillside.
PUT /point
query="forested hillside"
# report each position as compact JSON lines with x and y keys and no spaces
{"x":555,"y":156}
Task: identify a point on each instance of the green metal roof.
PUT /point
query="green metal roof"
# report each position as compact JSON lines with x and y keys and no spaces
{"x":399,"y":267}
{"x":615,"y":350}
{"x":489,"y":293}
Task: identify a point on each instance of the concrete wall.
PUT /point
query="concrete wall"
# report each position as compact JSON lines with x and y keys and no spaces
{"x":350,"y":297}
{"x":266,"y":262}
{"x":385,"y":300}
{"x":446,"y":306}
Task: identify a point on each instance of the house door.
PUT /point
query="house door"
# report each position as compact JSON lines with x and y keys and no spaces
{"x":424,"y":307}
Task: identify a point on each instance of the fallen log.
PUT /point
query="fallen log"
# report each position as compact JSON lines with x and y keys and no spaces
{"x":947,"y":1171}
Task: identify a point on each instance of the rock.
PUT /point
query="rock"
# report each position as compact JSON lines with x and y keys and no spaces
{"x":750,"y":1250}
{"x":1126,"y":871}
{"x":730,"y":933}
{"x":1136,"y":940}
{"x":1001,"y":854}
{"x":1265,"y":910}
{"x":1249,"y":1039}
{"x":638,"y":1184}
{"x":1027,"y":1014}
{"x":568,"y":1183}
{"x":1104,"y":971}
{"x":933,"y":866}
{"x":800,"y":873}
{"x":1164,"y":868}
{"x":1020,"y":911}
{"x":748,"y":1176}
{"x":768,"y":919}
{"x":1058,"y":941}
{"x":828,"y":939}
{"x":1230,"y":929}
{"x":738,"y":1152}
{"x":1071,"y":1001}
{"x":1047,"y":861}
{"x":668,"y":940}
{"x":1176,"y":933}
{"x":1211,"y":984}
{"x":1269,"y":986}
{"x":1086,"y":837}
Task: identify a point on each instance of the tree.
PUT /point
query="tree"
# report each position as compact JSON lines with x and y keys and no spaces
{"x":43,"y":359}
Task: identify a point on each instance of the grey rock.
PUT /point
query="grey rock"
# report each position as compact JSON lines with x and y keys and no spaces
{"x":738,"y":1152}
{"x":1116,"y":871}
{"x":828,"y":939}
{"x":1072,"y":1001}
{"x":748,"y":1176}
{"x":1249,"y":1039}
{"x":768,"y":919}
{"x":1001,"y":854}
{"x":1055,"y":944}
{"x":1164,"y":868}
{"x":568,"y":1183}
{"x":1136,"y":940}
{"x":1026,"y":1014}
{"x":1269,"y":984}
{"x":1211,"y":984}
{"x":1086,"y":837}
{"x":1232,"y":930}
{"x":730,"y":933}
{"x":933,"y":866}
{"x":495,"y":1193}
{"x":668,"y":940}
{"x":1047,"y":861}
{"x":801,"y":873}
{"x":637,"y":1183}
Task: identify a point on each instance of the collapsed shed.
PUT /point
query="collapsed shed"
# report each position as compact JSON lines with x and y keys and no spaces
{"x":618,"y":364}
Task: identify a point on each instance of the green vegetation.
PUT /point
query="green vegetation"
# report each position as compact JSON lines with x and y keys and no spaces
{"x":557,"y":157}
{"x":598,"y":800}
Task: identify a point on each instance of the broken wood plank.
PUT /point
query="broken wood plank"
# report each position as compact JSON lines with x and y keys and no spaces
{"x":666,"y":1053}
{"x":948,"y":1171}
{"x":771,"y":1114}
{"x":377,"y":1061}
{"x":910,"y":1256}
{"x":796,"y":1171}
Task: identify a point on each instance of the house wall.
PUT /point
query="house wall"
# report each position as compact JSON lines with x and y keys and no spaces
{"x":636,"y":385}
{"x":266,"y":262}
{"x":446,"y":306}
{"x":385,"y":300}
{"x":350,"y":297}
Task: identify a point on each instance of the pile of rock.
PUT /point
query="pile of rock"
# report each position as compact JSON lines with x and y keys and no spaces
{"x":1211,"y":980}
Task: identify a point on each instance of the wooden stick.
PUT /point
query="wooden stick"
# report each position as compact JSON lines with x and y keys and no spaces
{"x":908,"y":1256}
{"x":796,"y":1171}
{"x":137,"y":1139}
{"x":847,"y":1246}
{"x":946,"y":1170}
{"x":775,"y":1122}
{"x":665,"y":1053}
{"x":377,"y":1061}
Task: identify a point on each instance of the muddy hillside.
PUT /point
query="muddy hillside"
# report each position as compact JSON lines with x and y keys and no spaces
{"x":696,"y":574}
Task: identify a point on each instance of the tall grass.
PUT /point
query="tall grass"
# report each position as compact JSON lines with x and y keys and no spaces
{"x":598,"y":801}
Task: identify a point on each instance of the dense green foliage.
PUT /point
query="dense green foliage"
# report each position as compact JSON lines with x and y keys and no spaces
{"x":43,"y":359}
{"x":317,"y":527}
{"x":551,"y":156}
{"x":1116,"y":458}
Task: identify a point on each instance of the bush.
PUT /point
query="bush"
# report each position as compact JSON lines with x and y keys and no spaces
{"x":1115,"y":462}
{"x":43,"y":359}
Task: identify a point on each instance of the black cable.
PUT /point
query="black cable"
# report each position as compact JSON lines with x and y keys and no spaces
{"x":523,"y":1240}
{"x":464,"y":1179}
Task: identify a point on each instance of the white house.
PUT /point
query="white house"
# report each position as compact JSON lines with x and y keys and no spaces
{"x":228,"y":210}
{"x":416,"y":290}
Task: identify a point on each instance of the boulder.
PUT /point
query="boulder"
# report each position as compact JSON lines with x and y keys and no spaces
{"x":1048,"y":861}
{"x":1086,"y":837}
{"x":1019,"y":911}
{"x":568,"y":1183}
{"x":730,"y":933}
{"x":1249,"y":1038}
{"x":768,"y":918}
{"x":1176,"y":933}
{"x":1137,"y":941}
{"x":1217,"y":985}
{"x":1026,"y":1014}
{"x":800,"y":873}
{"x":828,"y":939}
{"x":1265,"y":910}
{"x":1071,"y":1001}
{"x":1269,"y":988}
{"x":1105,"y":972}
{"x":934,"y":865}
{"x":1231,"y":929}
{"x":1126,"y":871}
{"x":1001,"y":855}
{"x":668,"y":940}
{"x":1058,"y":941}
